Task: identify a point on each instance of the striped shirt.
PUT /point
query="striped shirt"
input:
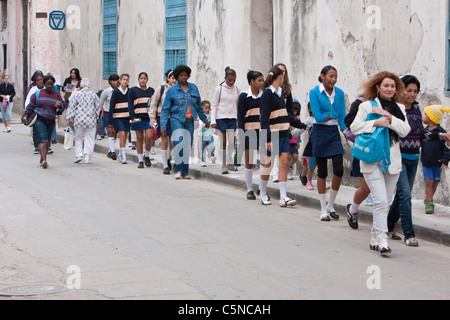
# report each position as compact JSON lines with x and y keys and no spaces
{"x":44,"y":104}
{"x":138,"y":102}
{"x":249,"y":111}
{"x":118,"y":108}
{"x":274,"y":115}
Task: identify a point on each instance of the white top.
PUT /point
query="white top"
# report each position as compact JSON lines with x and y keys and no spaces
{"x":402,"y":128}
{"x":225,"y":103}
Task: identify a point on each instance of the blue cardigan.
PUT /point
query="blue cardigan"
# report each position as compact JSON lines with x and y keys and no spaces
{"x":321,"y":106}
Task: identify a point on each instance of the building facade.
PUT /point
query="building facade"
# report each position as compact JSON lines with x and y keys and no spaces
{"x":359,"y":38}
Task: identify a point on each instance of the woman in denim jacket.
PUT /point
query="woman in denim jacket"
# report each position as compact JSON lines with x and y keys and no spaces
{"x":182,"y":107}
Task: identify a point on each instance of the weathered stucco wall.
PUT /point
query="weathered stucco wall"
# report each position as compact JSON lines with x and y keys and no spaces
{"x":405,"y":37}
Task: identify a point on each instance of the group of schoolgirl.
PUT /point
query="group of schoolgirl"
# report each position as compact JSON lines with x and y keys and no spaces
{"x":136,"y":109}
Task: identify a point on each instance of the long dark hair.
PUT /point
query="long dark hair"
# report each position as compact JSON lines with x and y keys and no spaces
{"x":77,"y":73}
{"x":274,"y":73}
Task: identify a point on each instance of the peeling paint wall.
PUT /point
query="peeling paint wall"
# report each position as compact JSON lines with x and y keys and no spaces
{"x":406,"y":37}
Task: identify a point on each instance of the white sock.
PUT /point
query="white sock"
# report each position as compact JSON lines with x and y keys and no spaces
{"x":283,"y":188}
{"x":323,"y":204}
{"x":263,"y":187}
{"x":333,"y":195}
{"x":112,"y":144}
{"x":140,"y":157}
{"x":147,"y":154}
{"x":249,"y":179}
{"x":354,"y":208}
{"x":164,"y":158}
{"x":123,"y":153}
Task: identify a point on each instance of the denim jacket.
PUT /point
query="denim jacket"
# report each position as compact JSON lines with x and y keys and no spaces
{"x":176,"y":105}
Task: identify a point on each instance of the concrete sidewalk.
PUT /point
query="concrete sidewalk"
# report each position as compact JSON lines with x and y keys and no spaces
{"x":434,"y":228}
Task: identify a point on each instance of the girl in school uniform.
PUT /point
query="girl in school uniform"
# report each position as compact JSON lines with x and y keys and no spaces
{"x":138,"y":104}
{"x":275,"y":125}
{"x":223,"y":116}
{"x":249,"y":124}
{"x":119,"y":115}
{"x":328,"y":106}
{"x":155,"y":118}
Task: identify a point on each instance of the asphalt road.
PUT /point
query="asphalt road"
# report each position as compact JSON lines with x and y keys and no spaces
{"x":136,"y":234}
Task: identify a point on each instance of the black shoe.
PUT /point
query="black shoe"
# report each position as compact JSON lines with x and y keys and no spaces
{"x":141,"y":165}
{"x":304,"y":180}
{"x":169,"y":165}
{"x":147,"y":161}
{"x":334,"y":215}
{"x":251,"y":196}
{"x":113,"y":156}
{"x":110,"y":155}
{"x":166,"y":171}
{"x":352,"y":219}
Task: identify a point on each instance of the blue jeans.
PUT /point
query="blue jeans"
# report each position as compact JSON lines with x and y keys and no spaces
{"x":42,"y":131}
{"x":401,"y":208}
{"x":183,"y":137}
{"x":206,"y":143}
{"x":6,"y":111}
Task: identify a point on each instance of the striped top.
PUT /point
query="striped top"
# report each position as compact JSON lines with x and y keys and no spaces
{"x":138,"y":102}
{"x":45,"y":104}
{"x":274,"y":115}
{"x":118,"y":108}
{"x":248,"y":115}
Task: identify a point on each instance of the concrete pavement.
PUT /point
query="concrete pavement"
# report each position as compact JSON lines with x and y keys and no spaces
{"x":434,"y":228}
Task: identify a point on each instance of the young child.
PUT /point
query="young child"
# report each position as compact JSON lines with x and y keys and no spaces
{"x":435,"y":154}
{"x":205,"y":136}
{"x":295,"y":140}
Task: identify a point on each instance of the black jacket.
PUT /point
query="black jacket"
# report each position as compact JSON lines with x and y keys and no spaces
{"x":435,"y":153}
{"x":7,"y":91}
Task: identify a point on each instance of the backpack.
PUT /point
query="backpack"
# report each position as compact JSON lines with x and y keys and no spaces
{"x":373,"y":147}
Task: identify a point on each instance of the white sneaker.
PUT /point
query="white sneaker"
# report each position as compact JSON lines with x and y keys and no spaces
{"x":78,"y":160}
{"x":178,"y":176}
{"x":287,"y":202}
{"x":275,"y":180}
{"x":87,"y":160}
{"x":383,"y":245}
{"x":290,"y":177}
{"x":203,"y":164}
{"x":265,"y":200}
{"x":374,"y":242}
{"x":213,"y":160}
{"x":152,"y":151}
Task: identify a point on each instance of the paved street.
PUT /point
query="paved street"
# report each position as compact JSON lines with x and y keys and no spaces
{"x":141,"y":235}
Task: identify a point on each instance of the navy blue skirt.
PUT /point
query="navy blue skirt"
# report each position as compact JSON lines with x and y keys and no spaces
{"x":326,"y":141}
{"x":143,"y":125}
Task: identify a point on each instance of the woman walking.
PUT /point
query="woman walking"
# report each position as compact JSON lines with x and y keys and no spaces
{"x":249,"y":124}
{"x":275,"y":123}
{"x":155,"y":119}
{"x":7,"y":94}
{"x":182,"y":107}
{"x":328,"y":106}
{"x":119,"y":115}
{"x":47,"y":104}
{"x":223,"y":116}
{"x":83,"y":113}
{"x":105,"y":103}
{"x":385,"y":89}
{"x":138,"y":104}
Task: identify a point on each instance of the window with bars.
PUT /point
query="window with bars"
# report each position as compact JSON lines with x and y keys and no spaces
{"x":109,"y":38}
{"x":176,"y":33}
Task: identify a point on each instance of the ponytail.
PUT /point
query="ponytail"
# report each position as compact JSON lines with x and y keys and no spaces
{"x":274,"y":73}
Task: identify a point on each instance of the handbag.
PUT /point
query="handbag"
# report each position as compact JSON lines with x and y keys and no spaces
{"x":31,"y":119}
{"x":373,"y":147}
{"x":68,"y":138}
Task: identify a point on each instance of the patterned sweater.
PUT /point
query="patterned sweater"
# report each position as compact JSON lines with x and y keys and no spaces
{"x":84,"y":109}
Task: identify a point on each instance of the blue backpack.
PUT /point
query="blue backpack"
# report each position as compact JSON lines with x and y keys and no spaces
{"x":374,"y":147}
